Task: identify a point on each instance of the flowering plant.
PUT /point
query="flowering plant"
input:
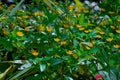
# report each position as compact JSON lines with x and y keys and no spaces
{"x":56,"y":40}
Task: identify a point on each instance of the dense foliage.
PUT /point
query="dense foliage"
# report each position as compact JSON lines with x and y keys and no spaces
{"x":48,"y":40}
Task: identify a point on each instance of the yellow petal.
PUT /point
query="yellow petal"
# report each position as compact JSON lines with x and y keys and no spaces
{"x":20,"y":33}
{"x":109,"y":39}
{"x":118,"y":31}
{"x":116,"y":46}
{"x":56,"y":39}
{"x":69,"y":52}
{"x":34,"y":52}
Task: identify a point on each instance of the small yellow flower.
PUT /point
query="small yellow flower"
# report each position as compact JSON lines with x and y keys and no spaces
{"x":69,"y":52}
{"x":65,"y":26}
{"x":49,"y":29}
{"x":75,"y":56}
{"x":111,"y":12}
{"x":19,"y":18}
{"x":102,"y":9}
{"x":103,"y":23}
{"x":109,"y":39}
{"x":86,"y":31}
{"x":5,"y":32}
{"x":81,"y":28}
{"x":27,"y":29}
{"x":113,"y":27}
{"x":41,"y":28}
{"x":116,"y":46}
{"x":118,"y":31}
{"x":56,"y":39}
{"x":88,"y":48}
{"x":39,"y":14}
{"x":20,"y":33}
{"x":90,"y":45}
{"x":102,"y":32}
{"x":26,"y":17}
{"x":70,"y":7}
{"x":34,"y":52}
{"x":78,"y":26}
{"x":85,"y":11}
{"x":98,"y":36}
{"x":63,"y":42}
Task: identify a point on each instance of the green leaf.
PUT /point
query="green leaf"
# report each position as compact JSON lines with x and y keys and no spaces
{"x":94,"y":50}
{"x":75,"y":43}
{"x":82,"y":19}
{"x":56,"y":61}
{"x":42,"y":67}
{"x":68,"y":78}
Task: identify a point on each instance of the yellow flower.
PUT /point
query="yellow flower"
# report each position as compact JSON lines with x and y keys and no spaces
{"x":65,"y":26}
{"x":19,"y":18}
{"x":5,"y":32}
{"x":88,"y":48}
{"x":113,"y":27}
{"x":111,"y":12}
{"x":98,"y":36}
{"x":75,"y":56}
{"x":90,"y":45}
{"x":69,"y":52}
{"x":86,"y":31}
{"x":27,"y":29}
{"x":20,"y":33}
{"x":63,"y":42}
{"x":34,"y":52}
{"x":49,"y":29}
{"x":118,"y":31}
{"x":85,"y":11}
{"x":102,"y":32}
{"x":103,"y":23}
{"x":56,"y":39}
{"x":102,"y":9}
{"x":78,"y":26}
{"x":81,"y":28}
{"x":116,"y":46}
{"x":26,"y":17}
{"x":109,"y":39}
{"x":41,"y":28}
{"x":39,"y":14}
{"x":70,"y":7}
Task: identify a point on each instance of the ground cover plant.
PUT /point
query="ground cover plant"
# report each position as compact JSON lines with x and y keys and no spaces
{"x":48,"y":40}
